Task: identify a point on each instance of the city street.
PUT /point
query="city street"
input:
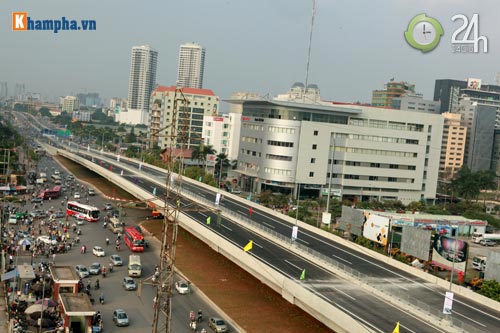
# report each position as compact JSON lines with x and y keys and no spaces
{"x":139,"y":309}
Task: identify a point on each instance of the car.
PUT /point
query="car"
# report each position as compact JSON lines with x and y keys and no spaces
{"x":76,"y":195}
{"x":182,"y":287}
{"x":37,"y":213}
{"x":98,"y":251}
{"x":235,"y":191}
{"x":129,"y":283}
{"x":59,"y":215}
{"x":487,"y":242}
{"x":115,"y":213}
{"x":36,"y":200}
{"x":82,"y":271}
{"x":217,"y":324}
{"x":95,"y":268}
{"x":80,"y":219}
{"x":108,"y":206}
{"x":120,"y":317}
{"x":116,"y":260}
{"x":91,"y":192}
{"x":12,"y":219}
{"x":22,"y":234}
{"x":46,"y":240}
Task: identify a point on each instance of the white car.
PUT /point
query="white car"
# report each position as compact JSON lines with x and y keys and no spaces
{"x":82,"y":271}
{"x":46,"y":240}
{"x":182,"y":287}
{"x":76,"y":195}
{"x":98,"y":251}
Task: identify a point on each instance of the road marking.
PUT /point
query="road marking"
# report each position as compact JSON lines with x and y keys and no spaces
{"x":396,"y":284}
{"x":242,"y":213}
{"x":345,"y":294}
{"x":291,"y":264}
{"x":303,"y":241}
{"x":340,"y":258}
{"x":202,"y":214}
{"x":406,"y":328}
{"x":467,"y":317}
{"x":226,"y":227}
{"x":269,"y":225}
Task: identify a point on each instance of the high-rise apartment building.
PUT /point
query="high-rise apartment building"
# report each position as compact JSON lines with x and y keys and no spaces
{"x":480,"y":122}
{"x":453,"y":145}
{"x":383,"y":98}
{"x":4,"y":91}
{"x":69,"y":104}
{"x":191,"y":66}
{"x":142,"y":77}
{"x":201,"y":102}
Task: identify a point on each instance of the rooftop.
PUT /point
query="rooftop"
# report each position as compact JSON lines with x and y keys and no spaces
{"x":185,"y":90}
{"x":77,"y":304}
{"x":64,"y":273}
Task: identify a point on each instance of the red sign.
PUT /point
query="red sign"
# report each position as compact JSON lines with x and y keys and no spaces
{"x":218,"y":119}
{"x":245,"y":118}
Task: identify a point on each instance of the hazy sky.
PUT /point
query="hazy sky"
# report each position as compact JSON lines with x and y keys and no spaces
{"x":251,"y":45}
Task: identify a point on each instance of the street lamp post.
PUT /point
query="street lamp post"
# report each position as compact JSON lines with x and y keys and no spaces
{"x":220,"y":173}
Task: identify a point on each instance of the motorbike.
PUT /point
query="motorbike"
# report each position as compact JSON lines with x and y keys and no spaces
{"x":107,"y":241}
{"x":97,"y":286}
{"x":104,"y":272}
{"x":105,"y":224}
{"x":110,"y":267}
{"x":78,"y":232}
{"x":101,"y":298}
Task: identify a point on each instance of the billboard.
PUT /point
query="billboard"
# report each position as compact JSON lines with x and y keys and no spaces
{"x":376,"y":228}
{"x":474,"y":83}
{"x":445,"y":250}
{"x":351,"y":220}
{"x":416,"y":242}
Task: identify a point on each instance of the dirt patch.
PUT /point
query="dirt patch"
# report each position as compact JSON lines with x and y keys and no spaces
{"x":254,"y":306}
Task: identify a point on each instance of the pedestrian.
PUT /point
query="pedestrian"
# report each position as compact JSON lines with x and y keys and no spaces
{"x":54,"y":258}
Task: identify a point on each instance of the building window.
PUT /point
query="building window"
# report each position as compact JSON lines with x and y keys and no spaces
{"x":311,"y":174}
{"x":316,"y":133}
{"x":313,"y":160}
{"x":315,"y":146}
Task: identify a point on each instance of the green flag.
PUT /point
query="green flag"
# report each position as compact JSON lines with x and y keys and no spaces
{"x":303,"y":274}
{"x":208,"y":220}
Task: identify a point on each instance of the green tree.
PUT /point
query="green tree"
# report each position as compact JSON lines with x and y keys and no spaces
{"x":45,"y":112}
{"x":466,"y":184}
{"x":491,"y":289}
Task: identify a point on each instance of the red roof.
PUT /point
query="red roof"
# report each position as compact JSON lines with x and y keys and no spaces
{"x":193,"y":91}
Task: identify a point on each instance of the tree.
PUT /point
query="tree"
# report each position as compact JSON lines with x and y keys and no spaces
{"x":221,"y":162}
{"x":45,"y":112}
{"x":466,"y":184}
{"x":491,"y":289}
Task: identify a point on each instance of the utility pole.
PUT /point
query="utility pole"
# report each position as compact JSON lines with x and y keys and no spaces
{"x":176,"y":139}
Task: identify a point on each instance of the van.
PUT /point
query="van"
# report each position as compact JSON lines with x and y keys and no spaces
{"x":12,"y":219}
{"x":115,"y":225}
{"x":134,"y":266}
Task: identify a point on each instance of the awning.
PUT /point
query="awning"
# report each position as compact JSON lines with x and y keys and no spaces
{"x":9,"y":275}
{"x":4,"y":188}
{"x":20,"y":188}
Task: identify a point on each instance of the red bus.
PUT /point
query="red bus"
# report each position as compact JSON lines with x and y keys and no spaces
{"x":52,"y":193}
{"x":89,"y":213}
{"x":133,"y":239}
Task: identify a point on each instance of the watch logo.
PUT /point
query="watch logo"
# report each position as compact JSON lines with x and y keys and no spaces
{"x":424,"y":33}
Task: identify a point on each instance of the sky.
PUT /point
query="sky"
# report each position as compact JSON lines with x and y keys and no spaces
{"x":251,"y":45}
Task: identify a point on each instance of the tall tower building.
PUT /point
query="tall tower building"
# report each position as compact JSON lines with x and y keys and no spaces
{"x":142,"y":77}
{"x":191,"y":66}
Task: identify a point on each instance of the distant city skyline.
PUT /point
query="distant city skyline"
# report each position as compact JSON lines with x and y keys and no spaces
{"x":255,"y":46}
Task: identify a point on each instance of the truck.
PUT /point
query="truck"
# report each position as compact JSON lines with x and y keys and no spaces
{"x":479,"y":263}
{"x":115,"y":225}
{"x":478,"y":237}
{"x":43,"y":176}
{"x":134,"y":266}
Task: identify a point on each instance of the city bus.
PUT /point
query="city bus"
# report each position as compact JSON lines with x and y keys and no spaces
{"x":133,"y":239}
{"x":53,"y":193}
{"x":89,"y":213}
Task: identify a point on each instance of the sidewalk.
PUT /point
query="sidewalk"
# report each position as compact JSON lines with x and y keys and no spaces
{"x":4,"y":322}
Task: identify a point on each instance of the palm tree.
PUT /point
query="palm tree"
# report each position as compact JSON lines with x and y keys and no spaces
{"x":221,"y":161}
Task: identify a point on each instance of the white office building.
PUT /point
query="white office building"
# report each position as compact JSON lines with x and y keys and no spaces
{"x":142,"y":81}
{"x":367,"y":153}
{"x":191,"y":66}
{"x":223,"y":133}
{"x":69,"y":104}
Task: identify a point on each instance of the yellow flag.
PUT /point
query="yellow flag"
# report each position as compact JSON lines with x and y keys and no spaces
{"x":208,"y":220}
{"x":248,"y":247}
{"x":303,"y":274}
{"x":396,"y":329}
